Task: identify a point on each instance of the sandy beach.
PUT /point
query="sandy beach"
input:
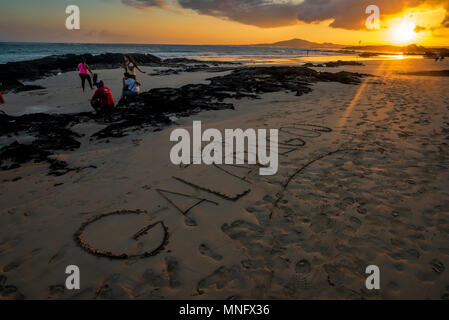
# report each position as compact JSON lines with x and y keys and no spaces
{"x":363,"y":180}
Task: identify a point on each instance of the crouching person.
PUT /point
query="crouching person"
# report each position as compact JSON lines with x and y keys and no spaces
{"x":102,"y":100}
{"x":130,"y":86}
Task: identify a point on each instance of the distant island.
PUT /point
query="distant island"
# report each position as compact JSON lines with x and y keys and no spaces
{"x":304,"y":44}
{"x":299,"y":43}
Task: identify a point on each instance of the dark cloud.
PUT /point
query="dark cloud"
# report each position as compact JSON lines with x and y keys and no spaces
{"x":145,"y":3}
{"x":260,"y":13}
{"x":347,"y":14}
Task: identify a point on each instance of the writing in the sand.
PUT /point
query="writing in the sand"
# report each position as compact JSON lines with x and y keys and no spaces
{"x":212,"y":153}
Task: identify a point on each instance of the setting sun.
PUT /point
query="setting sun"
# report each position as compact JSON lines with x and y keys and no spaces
{"x":404,"y":32}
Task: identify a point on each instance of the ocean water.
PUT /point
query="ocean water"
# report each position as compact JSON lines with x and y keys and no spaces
{"x":10,"y":52}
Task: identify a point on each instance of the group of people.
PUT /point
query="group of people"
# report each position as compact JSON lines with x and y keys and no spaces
{"x":102,"y":100}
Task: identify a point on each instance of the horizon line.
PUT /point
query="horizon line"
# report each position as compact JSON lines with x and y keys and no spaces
{"x":234,"y":45}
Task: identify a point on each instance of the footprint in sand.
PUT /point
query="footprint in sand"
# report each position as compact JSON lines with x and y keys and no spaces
{"x":206,"y":251}
{"x":250,"y":236}
{"x":190,"y":222}
{"x":221,"y":277}
{"x":111,"y":288}
{"x":437,"y":266}
{"x":56,"y":291}
{"x":321,"y":223}
{"x":356,"y":221}
{"x":174,"y":272}
{"x":58,"y":256}
{"x":253,"y":264}
{"x":295,"y":285}
{"x":303,"y":267}
{"x":242,"y":231}
{"x":155,"y":279}
{"x":9,"y":292}
{"x":19,"y":261}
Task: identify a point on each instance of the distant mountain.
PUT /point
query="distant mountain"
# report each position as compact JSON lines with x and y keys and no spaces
{"x":299,"y":43}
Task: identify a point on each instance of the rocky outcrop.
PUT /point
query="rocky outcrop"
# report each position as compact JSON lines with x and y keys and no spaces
{"x":12,"y":73}
{"x":49,"y":132}
{"x":333,"y":64}
{"x":244,"y":82}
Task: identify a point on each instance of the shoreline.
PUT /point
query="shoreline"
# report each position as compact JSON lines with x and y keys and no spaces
{"x":11,"y":73}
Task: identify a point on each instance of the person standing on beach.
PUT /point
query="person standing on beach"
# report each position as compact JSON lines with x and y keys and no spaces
{"x":84,"y":71}
{"x":131,"y":66}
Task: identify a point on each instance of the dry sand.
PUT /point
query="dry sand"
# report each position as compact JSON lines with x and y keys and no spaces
{"x":369,"y":187}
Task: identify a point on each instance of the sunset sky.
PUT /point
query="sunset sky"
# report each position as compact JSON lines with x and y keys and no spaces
{"x":425,"y":22}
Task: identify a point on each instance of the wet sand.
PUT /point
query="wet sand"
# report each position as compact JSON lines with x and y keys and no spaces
{"x":363,"y":180}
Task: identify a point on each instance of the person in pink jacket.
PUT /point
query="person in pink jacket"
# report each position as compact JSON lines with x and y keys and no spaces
{"x":84,"y":71}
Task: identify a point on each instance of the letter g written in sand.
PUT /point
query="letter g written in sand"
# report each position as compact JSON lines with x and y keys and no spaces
{"x":73,"y":21}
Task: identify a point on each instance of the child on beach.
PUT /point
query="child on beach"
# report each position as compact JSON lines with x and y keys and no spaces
{"x":131,"y":66}
{"x":96,"y":80}
{"x":84,"y":71}
{"x":102,"y":100}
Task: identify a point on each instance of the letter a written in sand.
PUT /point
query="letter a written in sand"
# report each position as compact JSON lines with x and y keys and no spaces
{"x":73,"y":281}
{"x":373,"y":281}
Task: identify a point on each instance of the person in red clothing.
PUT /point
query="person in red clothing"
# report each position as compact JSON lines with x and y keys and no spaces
{"x":2,"y":100}
{"x":102,"y":100}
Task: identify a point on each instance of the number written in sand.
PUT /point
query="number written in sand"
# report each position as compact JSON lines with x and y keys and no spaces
{"x":134,"y":236}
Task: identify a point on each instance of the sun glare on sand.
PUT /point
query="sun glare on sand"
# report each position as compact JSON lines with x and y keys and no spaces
{"x":404,"y":32}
